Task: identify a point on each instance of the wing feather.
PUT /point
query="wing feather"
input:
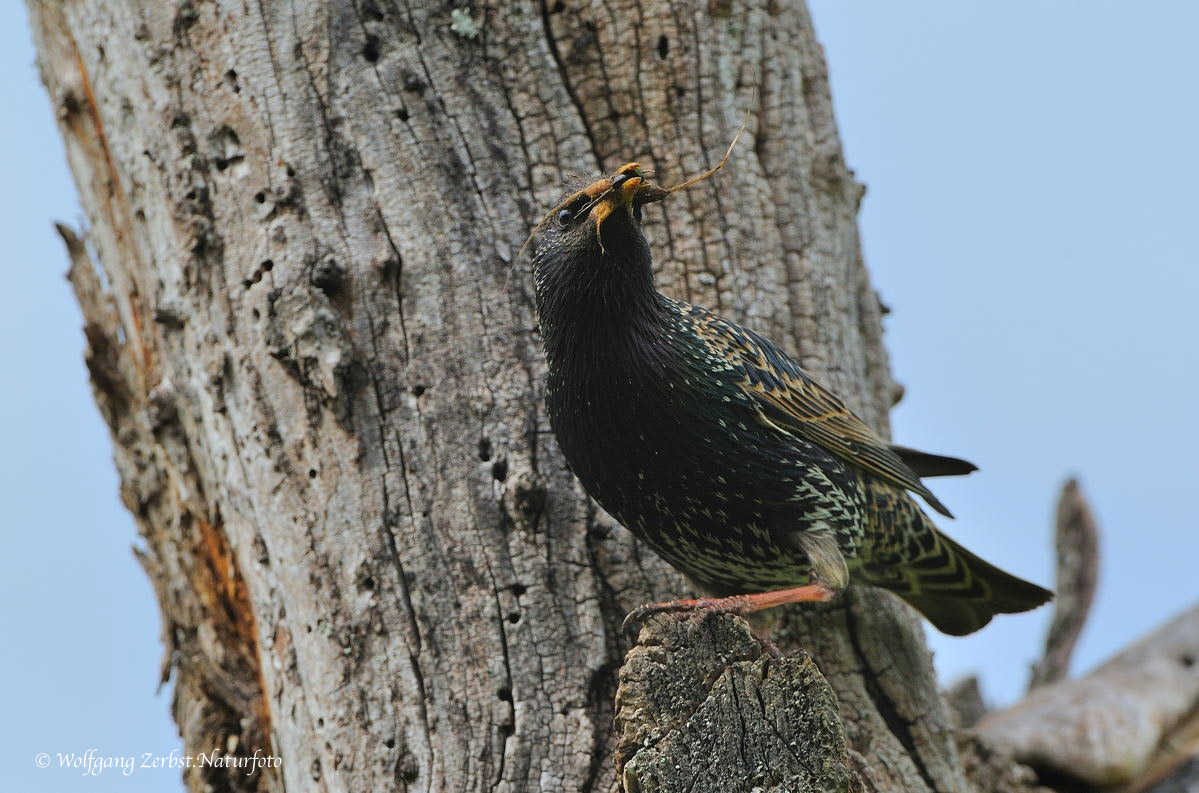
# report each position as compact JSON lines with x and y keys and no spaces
{"x":787,"y":398}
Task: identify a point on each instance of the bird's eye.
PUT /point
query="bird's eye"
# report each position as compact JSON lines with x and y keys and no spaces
{"x":565,"y":216}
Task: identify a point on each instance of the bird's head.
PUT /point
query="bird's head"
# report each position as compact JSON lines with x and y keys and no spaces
{"x":602,"y":216}
{"x":592,"y":238}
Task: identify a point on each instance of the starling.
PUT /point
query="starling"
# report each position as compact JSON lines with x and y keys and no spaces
{"x":716,"y":449}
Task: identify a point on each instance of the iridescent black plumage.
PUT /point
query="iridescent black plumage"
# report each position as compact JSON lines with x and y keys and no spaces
{"x":718,"y":450}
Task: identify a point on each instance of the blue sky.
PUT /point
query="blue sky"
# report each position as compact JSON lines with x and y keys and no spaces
{"x":1033,"y":171}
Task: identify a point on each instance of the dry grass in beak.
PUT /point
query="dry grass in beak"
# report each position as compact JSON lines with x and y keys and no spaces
{"x":723,"y":161}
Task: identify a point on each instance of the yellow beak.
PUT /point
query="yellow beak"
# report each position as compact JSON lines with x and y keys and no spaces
{"x":628,"y":191}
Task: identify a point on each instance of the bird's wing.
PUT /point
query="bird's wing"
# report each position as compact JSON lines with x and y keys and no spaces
{"x":788,"y":399}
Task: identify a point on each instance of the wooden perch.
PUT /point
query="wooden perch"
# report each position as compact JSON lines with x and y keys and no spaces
{"x":701,"y":708}
{"x":1114,"y":726}
{"x":1076,"y":537}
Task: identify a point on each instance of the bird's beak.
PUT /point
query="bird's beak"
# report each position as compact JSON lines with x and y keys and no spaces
{"x":631,"y":184}
{"x":621,"y":196}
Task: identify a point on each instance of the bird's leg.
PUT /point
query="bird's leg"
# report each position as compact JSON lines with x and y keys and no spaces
{"x":736,"y":604}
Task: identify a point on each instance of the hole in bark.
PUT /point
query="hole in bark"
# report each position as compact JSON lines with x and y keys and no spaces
{"x":484,"y":450}
{"x":71,"y":104}
{"x":260,"y":197}
{"x":418,"y":390}
{"x":413,"y":83}
{"x":231,"y":81}
{"x":388,"y":269}
{"x":558,"y":8}
{"x":390,"y":743}
{"x":506,"y":730}
{"x":519,"y":589}
{"x":255,"y":313}
{"x":663,"y":47}
{"x":247,"y":283}
{"x":328,"y":276}
{"x":513,"y":618}
{"x":505,"y":694}
{"x":1187,"y":660}
{"x":268,"y":265}
{"x":679,"y":91}
{"x":320,"y":722}
{"x":372,"y":12}
{"x":402,"y":114}
{"x":368,"y":583}
{"x":312,"y":473}
{"x":371,"y":50}
{"x":500,"y":470}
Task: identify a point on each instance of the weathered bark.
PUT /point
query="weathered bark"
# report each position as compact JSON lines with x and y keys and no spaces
{"x":1134,"y":719}
{"x":701,"y":707}
{"x":1076,"y":539}
{"x":319,"y":361}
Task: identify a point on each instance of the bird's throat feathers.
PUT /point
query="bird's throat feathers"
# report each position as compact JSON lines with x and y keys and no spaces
{"x":585,"y":289}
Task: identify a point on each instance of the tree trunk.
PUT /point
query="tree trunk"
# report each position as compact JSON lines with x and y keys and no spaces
{"x":314,"y":344}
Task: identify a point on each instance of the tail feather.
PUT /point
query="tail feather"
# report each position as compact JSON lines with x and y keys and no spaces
{"x":958,"y":592}
{"x":926,"y":464}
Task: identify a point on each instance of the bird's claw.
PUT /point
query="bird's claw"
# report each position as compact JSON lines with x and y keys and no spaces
{"x":733,"y":605}
{"x":634,"y":617}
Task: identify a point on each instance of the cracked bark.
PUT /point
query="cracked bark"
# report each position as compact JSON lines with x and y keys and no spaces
{"x":701,"y":708}
{"x":319,"y":363}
